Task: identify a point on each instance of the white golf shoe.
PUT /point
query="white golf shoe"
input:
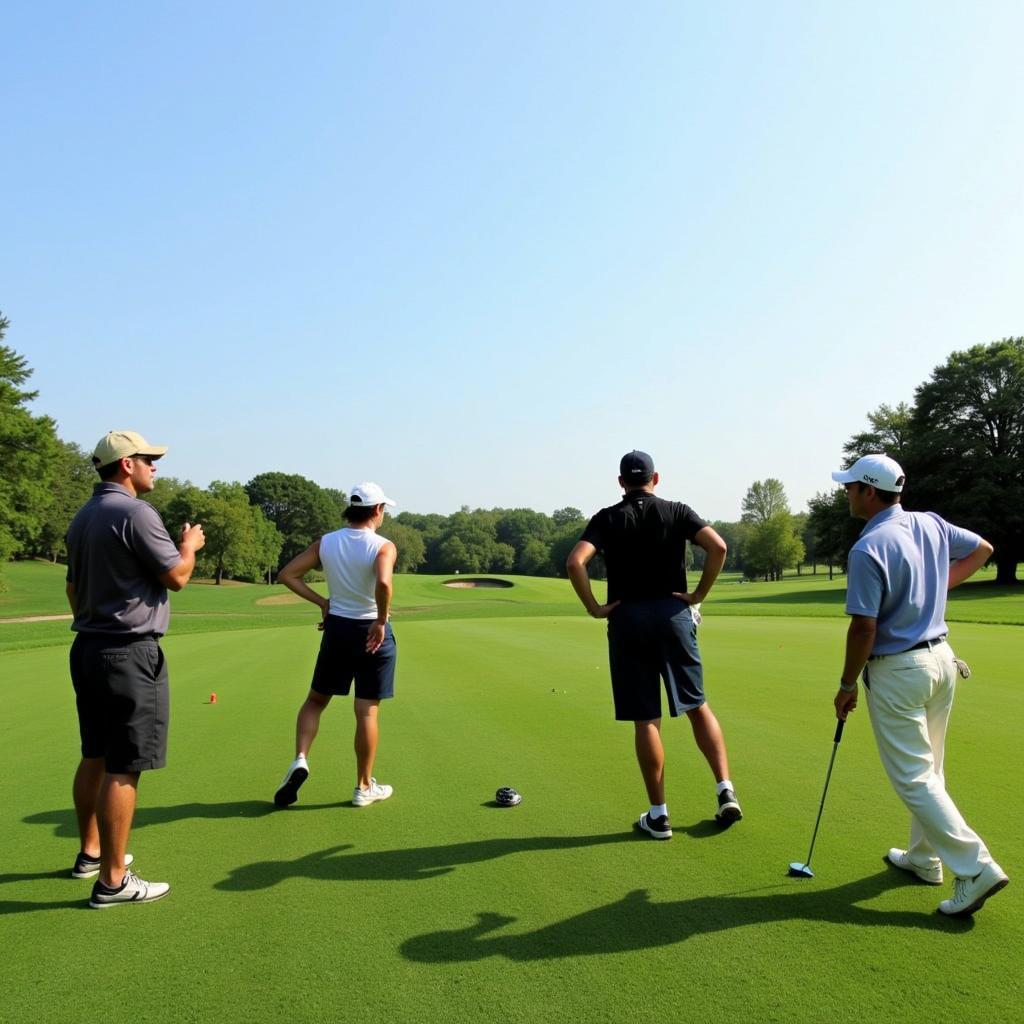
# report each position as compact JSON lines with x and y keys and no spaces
{"x":375,"y":792}
{"x":932,"y":874}
{"x":969,"y":894}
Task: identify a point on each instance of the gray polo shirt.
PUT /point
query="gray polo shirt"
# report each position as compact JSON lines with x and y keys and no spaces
{"x":898,"y":574}
{"x":117,"y":549}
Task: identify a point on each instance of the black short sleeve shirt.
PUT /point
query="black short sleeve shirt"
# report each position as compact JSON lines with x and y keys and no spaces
{"x":643,"y":541}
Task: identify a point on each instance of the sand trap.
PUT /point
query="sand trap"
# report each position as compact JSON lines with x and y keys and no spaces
{"x":470,"y":582}
{"x":38,"y":618}
{"x":281,"y":599}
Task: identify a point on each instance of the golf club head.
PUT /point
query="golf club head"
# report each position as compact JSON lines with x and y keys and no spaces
{"x":798,"y":870}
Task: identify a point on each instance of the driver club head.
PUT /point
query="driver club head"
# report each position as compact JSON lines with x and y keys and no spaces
{"x":798,"y":870}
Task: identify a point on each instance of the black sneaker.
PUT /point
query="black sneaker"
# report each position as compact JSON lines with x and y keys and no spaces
{"x":656,"y":828}
{"x":728,"y":808}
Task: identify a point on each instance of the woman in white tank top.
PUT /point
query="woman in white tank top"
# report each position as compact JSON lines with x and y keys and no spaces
{"x":358,"y":643}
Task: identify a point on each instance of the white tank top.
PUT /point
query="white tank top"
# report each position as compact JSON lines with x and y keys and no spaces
{"x":347,"y":556}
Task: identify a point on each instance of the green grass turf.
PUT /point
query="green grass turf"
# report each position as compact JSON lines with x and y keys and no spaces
{"x":435,"y":906}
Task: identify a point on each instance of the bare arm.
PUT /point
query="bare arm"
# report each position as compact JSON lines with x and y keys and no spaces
{"x":192,"y":539}
{"x":576,"y":567}
{"x":715,"y":550}
{"x":384,"y":566}
{"x":860,"y":639}
{"x":965,"y":568}
{"x":291,"y":576}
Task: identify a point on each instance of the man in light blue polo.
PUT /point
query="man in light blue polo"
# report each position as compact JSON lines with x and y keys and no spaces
{"x":898,"y":574}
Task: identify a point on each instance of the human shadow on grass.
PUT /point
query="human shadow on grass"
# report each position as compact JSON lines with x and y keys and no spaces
{"x":411,"y":864}
{"x":65,"y":824}
{"x":636,"y":923}
{"x":29,"y":906}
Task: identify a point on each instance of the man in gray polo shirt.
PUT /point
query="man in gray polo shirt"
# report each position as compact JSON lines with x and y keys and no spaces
{"x":898,"y":574}
{"x":121,"y":563}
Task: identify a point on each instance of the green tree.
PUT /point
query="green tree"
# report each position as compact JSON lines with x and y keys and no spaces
{"x":564,"y":516}
{"x":29,"y":452}
{"x":763,"y":500}
{"x":534,"y":558}
{"x":300,"y":509}
{"x":834,"y":529}
{"x":70,"y":489}
{"x":966,"y":455}
{"x":773,"y":547}
{"x":890,"y":432}
{"x":412,"y":551}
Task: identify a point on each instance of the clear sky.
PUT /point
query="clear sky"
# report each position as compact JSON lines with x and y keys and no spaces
{"x":478,"y":251}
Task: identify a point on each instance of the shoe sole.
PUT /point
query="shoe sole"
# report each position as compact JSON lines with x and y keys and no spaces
{"x":728,"y":814}
{"x":127,"y":903}
{"x":912,"y":872}
{"x":980,"y":901}
{"x":373,"y":800}
{"x":653,"y":833}
{"x":288,"y":792}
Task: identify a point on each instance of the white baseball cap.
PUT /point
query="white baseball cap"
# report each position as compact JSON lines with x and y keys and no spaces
{"x":368,"y":494}
{"x":879,"y":471}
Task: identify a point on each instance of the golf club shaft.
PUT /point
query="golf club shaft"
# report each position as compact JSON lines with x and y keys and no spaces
{"x":828,"y":775}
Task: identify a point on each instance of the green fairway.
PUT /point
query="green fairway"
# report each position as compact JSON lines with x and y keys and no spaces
{"x":437,"y":906}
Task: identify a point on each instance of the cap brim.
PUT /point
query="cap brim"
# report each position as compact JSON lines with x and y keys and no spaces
{"x":844,"y":476}
{"x":153,"y":450}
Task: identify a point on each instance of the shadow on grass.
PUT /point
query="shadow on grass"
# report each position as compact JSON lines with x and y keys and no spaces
{"x":401,"y":865}
{"x":66,"y":826}
{"x":635,"y":923}
{"x":30,"y":906}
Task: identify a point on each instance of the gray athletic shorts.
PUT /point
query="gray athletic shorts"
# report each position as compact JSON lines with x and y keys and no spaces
{"x":651,"y":641}
{"x":123,"y":700}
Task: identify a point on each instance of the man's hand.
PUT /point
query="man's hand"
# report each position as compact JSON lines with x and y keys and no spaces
{"x":690,"y":598}
{"x":845,"y":702}
{"x":192,"y":537}
{"x":602,"y":611}
{"x":325,"y":608}
{"x":375,"y":637}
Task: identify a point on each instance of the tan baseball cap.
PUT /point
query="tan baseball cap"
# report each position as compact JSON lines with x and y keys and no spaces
{"x":123,"y":444}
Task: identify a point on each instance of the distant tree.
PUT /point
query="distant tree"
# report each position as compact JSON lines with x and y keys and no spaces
{"x":165,"y":490}
{"x":834,"y":529}
{"x":564,"y":516}
{"x":773,"y":547}
{"x":70,"y":489}
{"x":534,"y":559}
{"x":966,"y":456}
{"x":763,"y":500}
{"x":735,"y":536}
{"x":299,"y":508}
{"x":412,"y":550}
{"x":891,"y":431}
{"x":454,"y":556}
{"x":800,"y":529}
{"x":29,"y":452}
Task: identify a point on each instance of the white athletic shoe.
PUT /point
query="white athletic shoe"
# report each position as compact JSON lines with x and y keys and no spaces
{"x":901,"y":859}
{"x":132,"y":890}
{"x":365,"y":797}
{"x":969,"y":894}
{"x":288,"y":792}
{"x":89,"y":867}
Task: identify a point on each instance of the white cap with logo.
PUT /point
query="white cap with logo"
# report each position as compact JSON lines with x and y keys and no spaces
{"x":368,"y":494}
{"x":879,"y":471}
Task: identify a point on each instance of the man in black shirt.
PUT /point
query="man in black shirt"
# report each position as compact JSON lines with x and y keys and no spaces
{"x":652,"y":632}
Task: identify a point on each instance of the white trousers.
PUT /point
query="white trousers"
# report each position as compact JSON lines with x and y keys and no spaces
{"x":910,"y":697}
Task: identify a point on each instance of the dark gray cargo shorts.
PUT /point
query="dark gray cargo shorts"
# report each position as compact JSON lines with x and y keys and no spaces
{"x":123,"y":699}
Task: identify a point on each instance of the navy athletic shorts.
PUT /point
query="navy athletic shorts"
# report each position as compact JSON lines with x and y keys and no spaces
{"x":651,"y":641}
{"x":123,"y":700}
{"x":343,"y":658}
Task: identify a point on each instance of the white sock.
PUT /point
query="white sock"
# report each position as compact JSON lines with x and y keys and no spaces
{"x":661,"y":811}
{"x":722,"y":786}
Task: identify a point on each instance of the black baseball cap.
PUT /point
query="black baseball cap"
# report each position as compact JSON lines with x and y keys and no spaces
{"x":636,"y":467}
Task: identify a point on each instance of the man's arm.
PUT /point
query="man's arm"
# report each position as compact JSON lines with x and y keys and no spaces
{"x":715,"y":550}
{"x":576,"y":567}
{"x":291,"y":576}
{"x":964,"y":568}
{"x":860,"y":640}
{"x":192,"y":539}
{"x":384,"y":566}
{"x":69,"y":589}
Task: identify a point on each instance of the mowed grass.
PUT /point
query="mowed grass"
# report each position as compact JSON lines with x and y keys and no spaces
{"x":436,"y":906}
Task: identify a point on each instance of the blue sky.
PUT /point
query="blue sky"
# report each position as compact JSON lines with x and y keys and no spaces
{"x":476,"y":252}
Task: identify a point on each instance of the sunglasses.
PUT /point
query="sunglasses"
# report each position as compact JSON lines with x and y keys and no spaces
{"x":147,"y":459}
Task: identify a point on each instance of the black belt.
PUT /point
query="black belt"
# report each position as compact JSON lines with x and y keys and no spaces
{"x":917,"y":647}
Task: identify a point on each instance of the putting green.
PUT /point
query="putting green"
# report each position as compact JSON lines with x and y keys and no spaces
{"x":437,"y":906}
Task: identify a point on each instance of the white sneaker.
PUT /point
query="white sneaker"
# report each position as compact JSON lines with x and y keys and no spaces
{"x":288,"y":792}
{"x":364,"y":797}
{"x":901,"y":859}
{"x":969,"y":894}
{"x":132,"y":890}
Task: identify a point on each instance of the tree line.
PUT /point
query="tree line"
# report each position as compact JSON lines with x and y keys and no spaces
{"x":961,"y":443}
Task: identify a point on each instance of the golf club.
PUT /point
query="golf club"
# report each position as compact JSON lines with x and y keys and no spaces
{"x":796,"y":869}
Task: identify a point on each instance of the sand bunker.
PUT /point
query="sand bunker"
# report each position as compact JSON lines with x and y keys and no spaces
{"x":467,"y":582}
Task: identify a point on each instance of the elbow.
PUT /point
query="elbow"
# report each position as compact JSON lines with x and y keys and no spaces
{"x":175,"y":585}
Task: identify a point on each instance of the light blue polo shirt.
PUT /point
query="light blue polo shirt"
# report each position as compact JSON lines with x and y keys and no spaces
{"x":898,"y":573}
